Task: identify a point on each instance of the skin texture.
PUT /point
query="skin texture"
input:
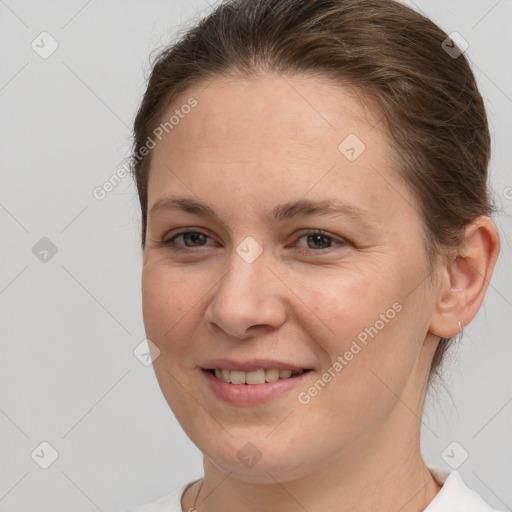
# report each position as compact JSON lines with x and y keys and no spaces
{"x":249,"y":145}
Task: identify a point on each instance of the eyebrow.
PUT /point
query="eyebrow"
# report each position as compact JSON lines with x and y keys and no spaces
{"x":281,"y":212}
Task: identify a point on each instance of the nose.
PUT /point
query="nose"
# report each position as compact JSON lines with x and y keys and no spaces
{"x":249,"y":299}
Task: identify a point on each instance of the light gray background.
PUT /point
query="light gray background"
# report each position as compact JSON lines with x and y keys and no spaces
{"x":68,"y":375}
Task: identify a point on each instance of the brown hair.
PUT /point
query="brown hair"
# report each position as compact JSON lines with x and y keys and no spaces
{"x":428,"y":97}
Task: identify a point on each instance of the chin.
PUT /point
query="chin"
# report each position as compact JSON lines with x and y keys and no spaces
{"x":264,"y":465}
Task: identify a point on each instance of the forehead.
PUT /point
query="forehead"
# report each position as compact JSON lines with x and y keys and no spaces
{"x":274,"y":135}
{"x":296,"y":108}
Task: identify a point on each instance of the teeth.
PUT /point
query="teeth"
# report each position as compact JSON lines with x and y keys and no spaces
{"x":237,"y":377}
{"x":255,"y":377}
{"x":271,"y":375}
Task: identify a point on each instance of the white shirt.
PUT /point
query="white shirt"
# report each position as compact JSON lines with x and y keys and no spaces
{"x":454,"y":496}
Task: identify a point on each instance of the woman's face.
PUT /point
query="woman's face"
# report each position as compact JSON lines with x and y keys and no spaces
{"x":264,"y":282}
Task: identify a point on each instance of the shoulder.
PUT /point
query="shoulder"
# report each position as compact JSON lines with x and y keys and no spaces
{"x":170,"y":502}
{"x":454,"y":495}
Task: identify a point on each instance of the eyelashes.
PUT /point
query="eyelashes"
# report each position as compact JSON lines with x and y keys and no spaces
{"x":312,"y":236}
{"x":171,"y":241}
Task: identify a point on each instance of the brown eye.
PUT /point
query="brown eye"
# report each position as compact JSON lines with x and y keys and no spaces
{"x":194,"y":238}
{"x":318,"y":240}
{"x":189,"y":238}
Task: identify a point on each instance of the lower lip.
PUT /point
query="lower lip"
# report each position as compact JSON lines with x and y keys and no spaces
{"x":251,"y":394}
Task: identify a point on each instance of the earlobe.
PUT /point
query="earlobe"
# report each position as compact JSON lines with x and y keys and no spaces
{"x":465,"y":278}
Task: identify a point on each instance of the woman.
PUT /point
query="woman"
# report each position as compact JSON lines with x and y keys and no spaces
{"x":316,"y":231}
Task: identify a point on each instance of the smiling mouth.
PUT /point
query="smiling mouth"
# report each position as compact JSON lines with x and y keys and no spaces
{"x":256,"y":377}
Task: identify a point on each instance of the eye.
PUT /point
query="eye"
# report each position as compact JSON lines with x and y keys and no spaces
{"x":318,"y":240}
{"x":190,"y":238}
{"x":315,"y":240}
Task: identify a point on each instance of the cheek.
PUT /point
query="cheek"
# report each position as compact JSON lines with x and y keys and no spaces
{"x":360,"y":320}
{"x":169,"y":301}
{"x":343,"y":304}
{"x":170,"y":308}
{"x":357,"y":346}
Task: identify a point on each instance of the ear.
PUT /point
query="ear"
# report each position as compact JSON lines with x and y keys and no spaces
{"x":465,"y":278}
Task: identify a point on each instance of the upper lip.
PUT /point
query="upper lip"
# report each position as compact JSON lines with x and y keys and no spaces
{"x":250,"y":365}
